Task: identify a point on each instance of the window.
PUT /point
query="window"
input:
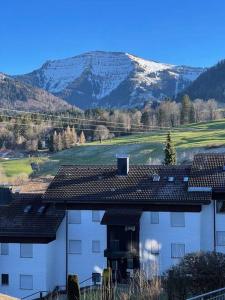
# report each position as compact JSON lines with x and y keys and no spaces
{"x":220,"y":238}
{"x":26,"y":250}
{"x":154,"y":217}
{"x":220,"y":206}
{"x":177,"y":250}
{"x":156,"y":178}
{"x":130,"y":263}
{"x":177,"y":219}
{"x":95,"y":215}
{"x":26,"y":282}
{"x":171,"y":178}
{"x":75,"y":217}
{"x":185,"y":179}
{"x":75,"y":247}
{"x":5,"y":279}
{"x":4,"y":249}
{"x":95,"y":246}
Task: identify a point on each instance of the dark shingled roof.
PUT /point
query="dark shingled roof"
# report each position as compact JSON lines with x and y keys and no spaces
{"x":207,"y":170}
{"x":100,"y":184}
{"x":34,"y":227}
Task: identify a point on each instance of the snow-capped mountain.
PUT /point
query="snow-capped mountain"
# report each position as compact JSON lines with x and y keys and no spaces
{"x":110,"y":79}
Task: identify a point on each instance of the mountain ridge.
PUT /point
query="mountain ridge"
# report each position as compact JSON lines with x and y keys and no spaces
{"x":19,"y":95}
{"x":110,"y":79}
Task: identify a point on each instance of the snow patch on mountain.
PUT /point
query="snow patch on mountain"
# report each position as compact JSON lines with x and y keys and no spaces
{"x":102,"y":78}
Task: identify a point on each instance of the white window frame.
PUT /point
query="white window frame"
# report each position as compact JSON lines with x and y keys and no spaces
{"x":99,"y":244}
{"x":27,"y":256}
{"x":174,"y":224}
{"x":4,"y":251}
{"x":26,"y":275}
{"x":75,"y":252}
{"x":177,"y":244}
{"x":96,"y":218}
{"x":77,"y":219}
{"x":154,"y":217}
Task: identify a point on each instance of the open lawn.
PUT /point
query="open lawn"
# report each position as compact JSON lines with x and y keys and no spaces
{"x":142,"y":148}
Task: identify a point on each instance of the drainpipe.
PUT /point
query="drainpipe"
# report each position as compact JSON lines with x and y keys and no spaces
{"x":66,"y":247}
{"x":214,"y":225}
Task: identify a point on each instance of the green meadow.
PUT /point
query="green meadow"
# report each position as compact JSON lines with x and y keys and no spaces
{"x":145,"y":148}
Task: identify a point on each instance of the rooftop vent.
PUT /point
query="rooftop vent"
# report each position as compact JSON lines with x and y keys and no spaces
{"x":122,"y":165}
{"x":156,"y":178}
{"x":41,"y":210}
{"x":27,"y":209}
{"x":171,"y":178}
{"x":185,"y":179}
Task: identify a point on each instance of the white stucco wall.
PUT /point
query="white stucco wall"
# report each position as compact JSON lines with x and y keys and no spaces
{"x":164,"y":235}
{"x":87,"y":262}
{"x":14,"y":265}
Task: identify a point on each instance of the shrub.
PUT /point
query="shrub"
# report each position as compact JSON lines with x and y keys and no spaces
{"x":73,"y":289}
{"x":197,"y":273}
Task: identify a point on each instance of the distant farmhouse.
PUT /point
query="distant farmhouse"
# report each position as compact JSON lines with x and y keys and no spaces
{"x":125,"y":217}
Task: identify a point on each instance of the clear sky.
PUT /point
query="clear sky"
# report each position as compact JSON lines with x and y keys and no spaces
{"x":190,"y":32}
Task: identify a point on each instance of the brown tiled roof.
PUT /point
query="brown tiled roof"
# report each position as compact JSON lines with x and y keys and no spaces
{"x":207,"y":170}
{"x":97,"y":184}
{"x":16,"y":225}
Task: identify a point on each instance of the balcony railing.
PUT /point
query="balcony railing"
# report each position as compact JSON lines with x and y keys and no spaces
{"x":214,"y":295}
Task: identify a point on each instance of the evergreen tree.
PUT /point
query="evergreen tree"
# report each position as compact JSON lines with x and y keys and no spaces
{"x":187,"y":111}
{"x":170,"y":151}
{"x":52,"y":142}
{"x":82,"y":138}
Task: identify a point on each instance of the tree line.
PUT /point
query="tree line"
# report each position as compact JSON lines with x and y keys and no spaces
{"x":33,"y":131}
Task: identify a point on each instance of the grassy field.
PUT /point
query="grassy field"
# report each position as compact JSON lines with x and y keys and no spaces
{"x":142,"y":148}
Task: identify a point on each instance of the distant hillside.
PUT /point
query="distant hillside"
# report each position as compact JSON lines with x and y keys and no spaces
{"x":110,"y":79}
{"x":15,"y":94}
{"x":210,"y":84}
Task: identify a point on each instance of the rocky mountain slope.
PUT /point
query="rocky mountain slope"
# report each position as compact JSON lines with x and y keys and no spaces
{"x":210,"y":84}
{"x":19,"y":95}
{"x":110,"y":79}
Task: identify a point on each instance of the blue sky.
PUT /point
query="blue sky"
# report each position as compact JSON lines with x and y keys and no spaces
{"x":190,"y":32}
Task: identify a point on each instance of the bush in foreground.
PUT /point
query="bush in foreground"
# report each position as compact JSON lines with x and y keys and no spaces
{"x":197,"y":273}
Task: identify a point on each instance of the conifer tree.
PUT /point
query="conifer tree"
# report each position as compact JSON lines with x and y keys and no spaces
{"x":170,"y":151}
{"x":187,"y":110}
{"x":82,"y":138}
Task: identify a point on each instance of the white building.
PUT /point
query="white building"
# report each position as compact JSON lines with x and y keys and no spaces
{"x":91,"y":217}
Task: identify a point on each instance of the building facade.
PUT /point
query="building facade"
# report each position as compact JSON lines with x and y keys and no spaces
{"x":145,"y":217}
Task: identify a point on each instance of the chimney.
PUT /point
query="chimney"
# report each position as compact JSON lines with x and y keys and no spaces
{"x":122,"y":165}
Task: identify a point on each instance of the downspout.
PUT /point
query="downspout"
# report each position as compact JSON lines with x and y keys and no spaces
{"x":66,"y":247}
{"x":214,"y":225}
